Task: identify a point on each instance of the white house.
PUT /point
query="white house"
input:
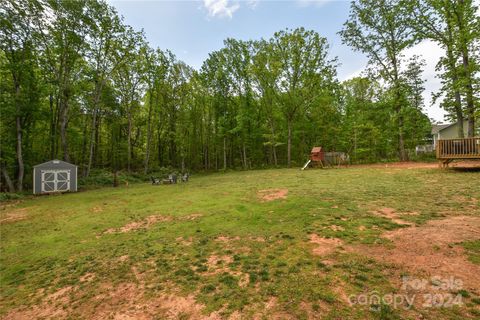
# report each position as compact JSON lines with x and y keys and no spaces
{"x":447,"y":131}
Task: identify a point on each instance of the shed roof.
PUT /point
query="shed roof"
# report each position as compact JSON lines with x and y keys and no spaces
{"x":55,"y":163}
{"x":316,"y":149}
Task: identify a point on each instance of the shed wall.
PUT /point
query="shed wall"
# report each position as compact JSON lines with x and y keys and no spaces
{"x":37,"y":174}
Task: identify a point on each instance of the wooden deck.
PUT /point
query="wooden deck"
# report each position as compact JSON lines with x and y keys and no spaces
{"x":451,"y":149}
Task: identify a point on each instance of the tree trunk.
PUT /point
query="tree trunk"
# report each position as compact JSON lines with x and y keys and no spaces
{"x":98,"y":90}
{"x":129,"y":141}
{"x":115,"y":178}
{"x":84,"y":144}
{"x":289,"y":143}
{"x":149,"y":132}
{"x":98,"y":137}
{"x":275,"y":161}
{"x":459,"y":114}
{"x":274,"y":147}
{"x":92,"y":142}
{"x":244,"y":156}
{"x":8,"y":181}
{"x":64,"y":100}
{"x":466,"y":69}
{"x":63,"y":130}
{"x":453,"y":69}
{"x":401,"y":141}
{"x":205,"y":157}
{"x":53,"y":128}
{"x":18,"y":125}
{"x":469,"y":93}
{"x":224,"y":153}
{"x":398,"y":110}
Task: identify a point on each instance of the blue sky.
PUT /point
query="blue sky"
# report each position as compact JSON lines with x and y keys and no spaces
{"x":192,"y":29}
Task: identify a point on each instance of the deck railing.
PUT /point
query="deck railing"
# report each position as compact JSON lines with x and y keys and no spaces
{"x":467,"y":148}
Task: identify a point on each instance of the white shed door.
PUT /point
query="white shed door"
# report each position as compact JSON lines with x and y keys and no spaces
{"x":55,"y":180}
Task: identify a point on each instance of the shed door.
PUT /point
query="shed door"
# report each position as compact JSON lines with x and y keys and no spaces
{"x":55,"y":180}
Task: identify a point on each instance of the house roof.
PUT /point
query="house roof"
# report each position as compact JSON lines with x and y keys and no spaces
{"x":436,"y":128}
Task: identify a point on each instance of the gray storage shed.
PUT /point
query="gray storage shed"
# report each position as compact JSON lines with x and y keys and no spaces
{"x":54,"y":176}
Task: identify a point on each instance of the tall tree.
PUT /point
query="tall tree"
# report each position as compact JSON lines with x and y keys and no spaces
{"x":155,"y":76}
{"x":379,"y":29}
{"x":467,"y":22}
{"x":304,"y":68}
{"x":109,"y":43}
{"x":64,"y":46}
{"x":18,"y":43}
{"x":430,"y":20}
{"x":266,"y":72}
{"x":129,"y":79}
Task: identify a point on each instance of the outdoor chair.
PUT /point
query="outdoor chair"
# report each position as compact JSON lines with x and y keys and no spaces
{"x":171,"y":179}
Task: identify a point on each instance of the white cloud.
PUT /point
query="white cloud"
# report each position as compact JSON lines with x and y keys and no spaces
{"x":252,"y":4}
{"x":355,"y":74}
{"x":221,"y":8}
{"x":317,"y":3}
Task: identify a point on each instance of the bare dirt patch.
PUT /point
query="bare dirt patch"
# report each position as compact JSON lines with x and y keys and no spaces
{"x":97,"y":209}
{"x":227,"y":239}
{"x":149,"y":222}
{"x":191,"y":217}
{"x":127,"y":301}
{"x":244,"y":280}
{"x":324,"y":246}
{"x":186,"y":242}
{"x":123,"y":301}
{"x":257,"y":239}
{"x":87,"y":277}
{"x":470,"y":202}
{"x":142,"y":224}
{"x":322,"y":308}
{"x":123,"y":258}
{"x":272,"y":194}
{"x":334,"y":227}
{"x":14,"y":215}
{"x":433,"y":249}
{"x":218,"y":264}
{"x":391,"y":214}
{"x":53,"y":306}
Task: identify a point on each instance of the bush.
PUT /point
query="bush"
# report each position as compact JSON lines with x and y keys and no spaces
{"x":103,"y":177}
{"x":10,"y":196}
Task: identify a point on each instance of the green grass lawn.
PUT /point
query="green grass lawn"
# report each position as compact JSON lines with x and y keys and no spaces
{"x":214,"y":240}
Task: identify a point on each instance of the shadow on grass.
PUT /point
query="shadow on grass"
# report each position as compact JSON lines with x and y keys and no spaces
{"x":466,"y":169}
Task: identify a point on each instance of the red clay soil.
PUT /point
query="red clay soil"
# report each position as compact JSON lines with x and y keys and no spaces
{"x":393,"y":215}
{"x":150,"y":221}
{"x":431,"y":250}
{"x":324,"y":246}
{"x":15,"y":215}
{"x":272,"y":194}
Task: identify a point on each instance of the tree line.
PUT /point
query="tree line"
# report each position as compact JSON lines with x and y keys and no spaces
{"x":79,"y":84}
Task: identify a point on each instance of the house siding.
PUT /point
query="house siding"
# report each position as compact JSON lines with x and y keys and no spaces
{"x":452,"y":131}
